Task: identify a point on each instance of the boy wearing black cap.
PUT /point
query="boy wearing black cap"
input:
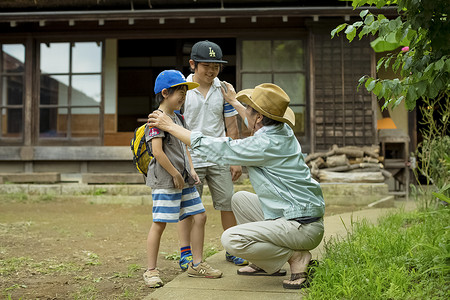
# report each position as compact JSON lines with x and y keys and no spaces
{"x":207,"y":111}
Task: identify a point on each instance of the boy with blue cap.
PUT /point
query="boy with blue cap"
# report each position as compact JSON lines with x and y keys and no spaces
{"x":171,"y":176}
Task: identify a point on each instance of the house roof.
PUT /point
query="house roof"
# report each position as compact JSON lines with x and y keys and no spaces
{"x":40,"y":5}
{"x":42,"y":11}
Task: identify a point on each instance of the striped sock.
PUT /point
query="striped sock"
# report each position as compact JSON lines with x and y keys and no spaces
{"x":185,"y":251}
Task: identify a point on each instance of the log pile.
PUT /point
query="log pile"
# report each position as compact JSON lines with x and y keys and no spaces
{"x":348,"y":164}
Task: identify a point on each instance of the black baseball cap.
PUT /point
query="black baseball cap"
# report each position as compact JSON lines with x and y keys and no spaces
{"x":206,"y":51}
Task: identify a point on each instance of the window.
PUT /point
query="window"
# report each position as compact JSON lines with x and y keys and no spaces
{"x":71,"y":101}
{"x":344,"y":114}
{"x":12,"y":91}
{"x":281,"y":62}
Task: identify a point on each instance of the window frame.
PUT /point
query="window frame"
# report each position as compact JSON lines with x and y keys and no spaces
{"x":14,"y":140}
{"x":304,"y":139}
{"x":68,"y":139}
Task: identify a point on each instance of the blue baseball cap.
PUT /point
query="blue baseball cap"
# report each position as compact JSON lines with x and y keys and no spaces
{"x":171,"y":78}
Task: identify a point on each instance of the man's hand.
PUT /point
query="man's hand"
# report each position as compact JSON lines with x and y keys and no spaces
{"x":236,"y":172}
{"x":230,"y":94}
{"x":160,"y":120}
{"x":178,"y":181}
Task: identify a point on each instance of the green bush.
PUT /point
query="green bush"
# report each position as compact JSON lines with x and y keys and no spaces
{"x":406,"y":256}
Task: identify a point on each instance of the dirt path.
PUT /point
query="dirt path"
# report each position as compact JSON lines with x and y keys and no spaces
{"x":67,"y":248}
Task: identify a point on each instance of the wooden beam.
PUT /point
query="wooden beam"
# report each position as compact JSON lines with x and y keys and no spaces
{"x":187,"y":13}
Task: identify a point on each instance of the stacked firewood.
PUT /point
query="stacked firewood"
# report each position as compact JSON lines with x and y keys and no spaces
{"x":348,"y":164}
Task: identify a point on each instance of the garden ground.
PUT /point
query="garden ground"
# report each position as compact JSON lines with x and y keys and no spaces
{"x":62,"y":247}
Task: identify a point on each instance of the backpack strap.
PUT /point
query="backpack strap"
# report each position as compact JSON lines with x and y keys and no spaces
{"x":181,"y":117}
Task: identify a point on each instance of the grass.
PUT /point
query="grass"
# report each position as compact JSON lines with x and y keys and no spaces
{"x":47,"y":266}
{"x":171,"y":256}
{"x":133,"y":269}
{"x":99,"y":192}
{"x":25,"y":198}
{"x":13,"y":264}
{"x":14,"y":198}
{"x":209,"y":251}
{"x":405,"y":256}
{"x":90,"y":258}
{"x":86,"y":292}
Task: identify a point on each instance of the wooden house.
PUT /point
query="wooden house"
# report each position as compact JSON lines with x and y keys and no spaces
{"x":77,"y":75}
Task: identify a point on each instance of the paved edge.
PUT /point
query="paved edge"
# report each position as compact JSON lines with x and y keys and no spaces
{"x":261,"y":288}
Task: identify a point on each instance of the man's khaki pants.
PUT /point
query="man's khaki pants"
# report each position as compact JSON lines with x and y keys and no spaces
{"x":267,"y":244}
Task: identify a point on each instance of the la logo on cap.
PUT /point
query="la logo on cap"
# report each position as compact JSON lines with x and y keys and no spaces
{"x":211,"y":52}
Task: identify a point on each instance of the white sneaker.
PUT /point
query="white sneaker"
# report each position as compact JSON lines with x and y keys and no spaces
{"x":151,"y":278}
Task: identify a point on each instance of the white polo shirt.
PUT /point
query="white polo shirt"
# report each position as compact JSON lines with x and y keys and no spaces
{"x":206,"y":115}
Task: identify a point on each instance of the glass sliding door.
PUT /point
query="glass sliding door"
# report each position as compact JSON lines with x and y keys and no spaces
{"x":12,"y":92}
{"x":71,"y":101}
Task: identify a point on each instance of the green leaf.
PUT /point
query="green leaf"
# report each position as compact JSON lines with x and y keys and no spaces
{"x":439,"y":64}
{"x":338,"y":29}
{"x":381,"y":17}
{"x":380,"y":63}
{"x":369,"y":19}
{"x":397,"y":63}
{"x":388,"y":42}
{"x":382,"y":93}
{"x":365,"y":30}
{"x":441,"y":197}
{"x":438,"y":82}
{"x":380,"y":3}
{"x":408,"y":62}
{"x":429,"y":68}
{"x":387,"y":62}
{"x":447,"y":186}
{"x":350,"y":32}
{"x":357,"y":24}
{"x":374,"y":27}
{"x":421,"y":88}
{"x":397,"y":86}
{"x":393,"y":25}
{"x":369,"y":80}
{"x":447,"y":66}
{"x":398,"y":101}
{"x":377,"y":89}
{"x":371,"y":85}
{"x":361,"y":81}
{"x":411,"y":94}
{"x":384,"y":28}
{"x":363,"y":13}
{"x":433,"y":91}
{"x":333,"y":32}
{"x":381,"y":45}
{"x":410,"y":104}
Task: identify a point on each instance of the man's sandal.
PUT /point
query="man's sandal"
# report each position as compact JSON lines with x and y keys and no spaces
{"x":313,"y":264}
{"x":260,"y":272}
{"x":297,"y":286}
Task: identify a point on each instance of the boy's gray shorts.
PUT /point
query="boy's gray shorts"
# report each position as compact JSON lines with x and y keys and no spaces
{"x":220,"y":185}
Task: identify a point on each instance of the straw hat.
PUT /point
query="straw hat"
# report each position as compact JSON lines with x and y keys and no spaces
{"x":269,"y":100}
